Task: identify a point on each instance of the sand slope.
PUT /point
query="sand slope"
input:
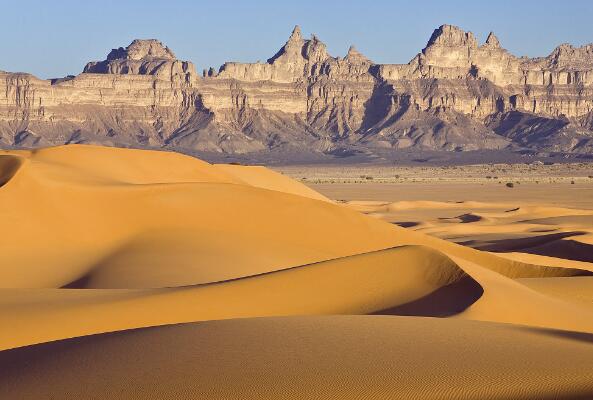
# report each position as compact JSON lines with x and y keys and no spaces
{"x":267,"y":179}
{"x":348,"y":357}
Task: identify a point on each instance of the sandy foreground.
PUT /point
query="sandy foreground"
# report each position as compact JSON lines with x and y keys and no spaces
{"x":142,"y":274}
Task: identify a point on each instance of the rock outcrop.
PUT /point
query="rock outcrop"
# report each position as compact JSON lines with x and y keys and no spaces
{"x":454,"y":95}
{"x":144,"y":57}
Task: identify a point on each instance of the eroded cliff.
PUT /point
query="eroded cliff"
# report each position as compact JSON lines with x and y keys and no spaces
{"x":454,"y":95}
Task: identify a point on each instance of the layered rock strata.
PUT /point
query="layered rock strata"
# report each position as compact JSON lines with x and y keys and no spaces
{"x":454,"y":95}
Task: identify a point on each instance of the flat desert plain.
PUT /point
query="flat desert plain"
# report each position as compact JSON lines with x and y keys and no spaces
{"x":135,"y":274}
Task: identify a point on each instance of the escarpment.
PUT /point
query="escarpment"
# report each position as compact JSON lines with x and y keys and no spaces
{"x":456,"y":94}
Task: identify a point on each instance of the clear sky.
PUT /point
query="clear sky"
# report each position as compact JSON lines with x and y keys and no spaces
{"x":57,"y":38}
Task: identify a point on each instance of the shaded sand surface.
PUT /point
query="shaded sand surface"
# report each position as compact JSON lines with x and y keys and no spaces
{"x":106,"y":248}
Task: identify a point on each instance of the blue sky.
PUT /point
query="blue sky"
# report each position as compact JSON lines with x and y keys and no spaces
{"x":56,"y":38}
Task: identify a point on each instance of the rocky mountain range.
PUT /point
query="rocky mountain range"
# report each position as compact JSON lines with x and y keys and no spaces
{"x":455,"y":95}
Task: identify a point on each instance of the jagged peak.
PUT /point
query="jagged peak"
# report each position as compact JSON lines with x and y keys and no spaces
{"x":566,"y":55}
{"x":315,"y":50}
{"x":566,"y":49}
{"x":141,"y":49}
{"x":451,"y":35}
{"x":563,"y":48}
{"x":296,"y":48}
{"x":296,"y":34}
{"x":142,"y":57}
{"x":354,"y":56}
{"x":292,"y":48}
{"x":492,"y":41}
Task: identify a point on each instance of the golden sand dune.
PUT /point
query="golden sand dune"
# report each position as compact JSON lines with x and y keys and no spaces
{"x":331,"y":357}
{"x":88,"y":227}
{"x":373,"y":282}
{"x":96,"y":228}
{"x":579,"y":290}
{"x":267,"y":179}
{"x":546,"y":260}
{"x":559,"y":232}
{"x":401,"y":281}
{"x":103,"y":240}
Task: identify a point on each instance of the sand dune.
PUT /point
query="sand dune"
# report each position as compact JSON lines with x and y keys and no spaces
{"x":362,"y":284}
{"x":101,"y":240}
{"x":573,"y":289}
{"x":265,"y":178}
{"x":92,"y":226}
{"x":559,"y":232}
{"x":348,"y":357}
{"x":546,"y":260}
{"x":110,"y":232}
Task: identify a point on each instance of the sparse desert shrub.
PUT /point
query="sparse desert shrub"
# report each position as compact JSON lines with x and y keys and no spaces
{"x":369,"y":178}
{"x":510,"y":185}
{"x":572,"y":182}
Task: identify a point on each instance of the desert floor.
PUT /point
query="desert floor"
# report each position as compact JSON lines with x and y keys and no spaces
{"x":142,"y":274}
{"x":563,"y":185}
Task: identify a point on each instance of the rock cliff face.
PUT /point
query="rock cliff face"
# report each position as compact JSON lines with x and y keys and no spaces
{"x":454,"y":95}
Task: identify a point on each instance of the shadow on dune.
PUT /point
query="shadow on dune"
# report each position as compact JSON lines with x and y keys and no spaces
{"x":568,"y":249}
{"x":9,"y":166}
{"x":463,"y":218}
{"x":520,"y":244}
{"x":443,"y":302}
{"x":468,"y":218}
{"x":572,"y":335}
{"x":80,"y":283}
{"x":573,"y":220}
{"x":407,"y":224}
{"x":551,"y":245}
